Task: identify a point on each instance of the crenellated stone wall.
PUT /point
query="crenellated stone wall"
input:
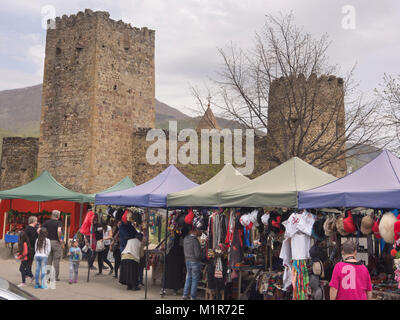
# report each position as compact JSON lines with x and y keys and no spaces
{"x":18,"y":161}
{"x":307,"y":114}
{"x":98,"y":84}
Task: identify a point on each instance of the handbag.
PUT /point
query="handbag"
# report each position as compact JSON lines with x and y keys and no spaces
{"x":100,"y":246}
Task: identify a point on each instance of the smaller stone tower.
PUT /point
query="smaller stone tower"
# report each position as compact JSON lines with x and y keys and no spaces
{"x":306,"y":118}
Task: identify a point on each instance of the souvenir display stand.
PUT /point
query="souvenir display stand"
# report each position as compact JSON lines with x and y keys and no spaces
{"x":151,"y":194}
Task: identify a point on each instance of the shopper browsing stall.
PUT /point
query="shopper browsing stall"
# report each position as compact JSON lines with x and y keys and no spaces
{"x":192,"y":250}
{"x":350,"y":278}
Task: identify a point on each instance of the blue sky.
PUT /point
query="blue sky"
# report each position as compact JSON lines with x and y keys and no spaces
{"x":188,"y":33}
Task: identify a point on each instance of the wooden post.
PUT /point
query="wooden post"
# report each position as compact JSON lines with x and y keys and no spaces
{"x":80,"y":214}
{"x":4,"y":226}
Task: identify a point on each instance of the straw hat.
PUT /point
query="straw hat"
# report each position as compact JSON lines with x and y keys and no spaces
{"x":366,"y":224}
{"x":386,"y":227}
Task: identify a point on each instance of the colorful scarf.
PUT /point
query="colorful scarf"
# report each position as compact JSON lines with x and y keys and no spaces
{"x":300,"y":279}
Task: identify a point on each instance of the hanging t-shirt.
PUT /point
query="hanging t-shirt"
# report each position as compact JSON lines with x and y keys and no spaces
{"x":300,"y":244}
{"x":306,"y":223}
{"x":298,"y":228}
{"x":352,"y":281}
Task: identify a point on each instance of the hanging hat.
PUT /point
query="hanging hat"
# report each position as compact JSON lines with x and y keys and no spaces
{"x":253,"y":217}
{"x":265,"y":218}
{"x":318,"y":229}
{"x":245,"y":220}
{"x":340,"y":227}
{"x":124,"y":218}
{"x":386,"y":227}
{"x":366,"y":224}
{"x":189,"y":217}
{"x":348,"y":223}
{"x":330,"y":225}
{"x":375,"y":229}
{"x":275,"y":224}
{"x":397,"y":229}
{"x":318,"y":269}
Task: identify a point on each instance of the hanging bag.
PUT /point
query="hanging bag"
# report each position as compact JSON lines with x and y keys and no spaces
{"x":100,"y":246}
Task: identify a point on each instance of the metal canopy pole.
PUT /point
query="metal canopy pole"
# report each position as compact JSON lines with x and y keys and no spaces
{"x":165,"y":255}
{"x":147,"y":250}
{"x":91,"y":250}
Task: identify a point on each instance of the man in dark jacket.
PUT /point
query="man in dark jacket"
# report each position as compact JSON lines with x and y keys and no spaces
{"x":31,"y":232}
{"x":192,"y":251}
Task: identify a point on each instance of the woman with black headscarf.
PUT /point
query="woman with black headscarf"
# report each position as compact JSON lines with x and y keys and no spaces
{"x":175,"y":262}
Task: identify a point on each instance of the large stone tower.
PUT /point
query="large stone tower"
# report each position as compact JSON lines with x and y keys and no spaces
{"x":98,"y":86}
{"x":306,"y":118}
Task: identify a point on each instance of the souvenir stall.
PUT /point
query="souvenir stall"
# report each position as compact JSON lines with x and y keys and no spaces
{"x":217,"y":237}
{"x":243,"y":244}
{"x":40,"y":196}
{"x":375,"y":186}
{"x":151,"y":194}
{"x":276,"y":191}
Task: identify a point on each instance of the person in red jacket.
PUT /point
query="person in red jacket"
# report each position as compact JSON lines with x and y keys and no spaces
{"x":24,"y":250}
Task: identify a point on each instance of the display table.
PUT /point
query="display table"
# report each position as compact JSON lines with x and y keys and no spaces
{"x":240,"y":270}
{"x":11,"y":239}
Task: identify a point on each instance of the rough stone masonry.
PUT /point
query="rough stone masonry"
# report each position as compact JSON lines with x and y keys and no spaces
{"x":98,"y":86}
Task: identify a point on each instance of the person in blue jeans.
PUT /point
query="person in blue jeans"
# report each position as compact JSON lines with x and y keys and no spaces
{"x":192,"y":251}
{"x":42,"y":251}
{"x":75,"y":256}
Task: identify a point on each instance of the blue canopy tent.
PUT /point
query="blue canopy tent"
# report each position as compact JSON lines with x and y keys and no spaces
{"x":151,"y":194}
{"x":375,"y":185}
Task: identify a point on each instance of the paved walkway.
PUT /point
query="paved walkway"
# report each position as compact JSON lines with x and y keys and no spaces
{"x":103,"y":287}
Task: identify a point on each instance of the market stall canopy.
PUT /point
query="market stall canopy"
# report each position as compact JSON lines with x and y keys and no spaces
{"x":208,"y":194}
{"x":44,"y":188}
{"x":375,"y":185}
{"x":278,"y":187}
{"x":124,"y":184}
{"x":152,"y":194}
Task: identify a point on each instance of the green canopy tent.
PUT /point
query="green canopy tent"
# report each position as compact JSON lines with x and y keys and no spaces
{"x":208,"y":194}
{"x":44,"y":188}
{"x":125,"y":183}
{"x":278,"y":187}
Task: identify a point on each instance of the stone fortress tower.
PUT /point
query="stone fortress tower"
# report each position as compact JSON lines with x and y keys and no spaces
{"x":98,"y":86}
{"x":292,"y":101}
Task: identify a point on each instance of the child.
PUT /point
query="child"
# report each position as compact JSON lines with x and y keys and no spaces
{"x":42,"y":251}
{"x":24,"y":248}
{"x":75,"y":256}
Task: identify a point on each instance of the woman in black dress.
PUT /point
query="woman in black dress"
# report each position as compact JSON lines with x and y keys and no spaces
{"x":174,"y":264}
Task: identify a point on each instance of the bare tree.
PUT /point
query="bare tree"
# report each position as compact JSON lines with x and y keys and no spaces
{"x":389,"y":96}
{"x":280,"y":87}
